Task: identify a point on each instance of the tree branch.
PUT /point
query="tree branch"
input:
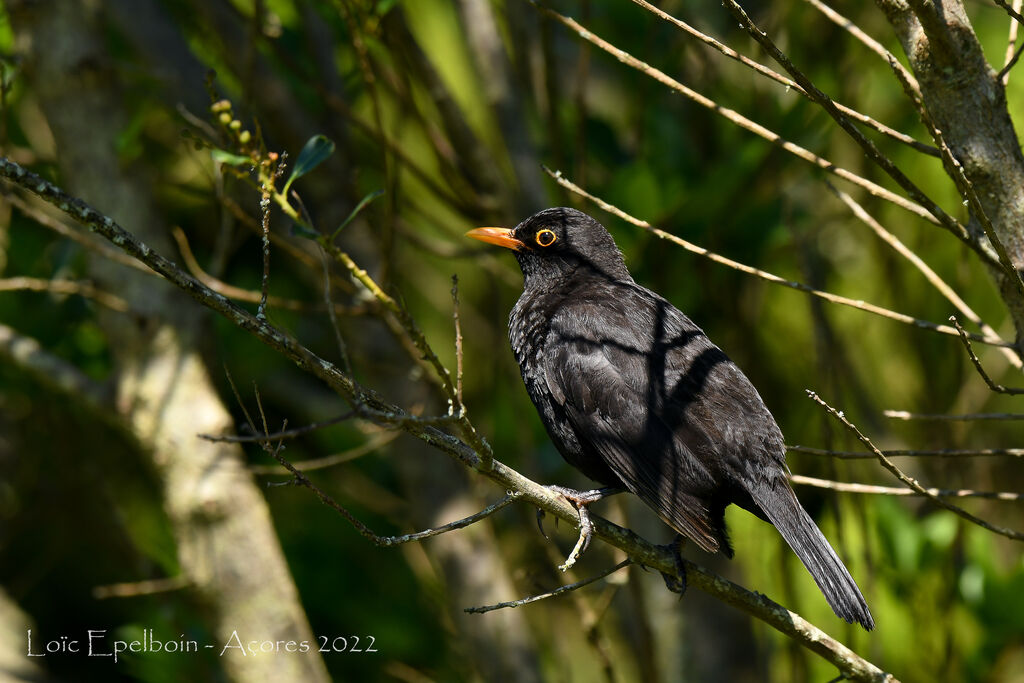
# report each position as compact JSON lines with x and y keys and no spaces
{"x":910,"y":481}
{"x":827,"y":296}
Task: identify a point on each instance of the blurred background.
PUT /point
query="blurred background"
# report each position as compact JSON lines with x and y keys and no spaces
{"x":450,"y":109}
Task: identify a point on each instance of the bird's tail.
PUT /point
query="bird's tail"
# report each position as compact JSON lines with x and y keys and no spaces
{"x":784,"y":511}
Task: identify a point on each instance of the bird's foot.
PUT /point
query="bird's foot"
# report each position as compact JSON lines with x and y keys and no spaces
{"x":677,"y":583}
{"x":580,"y":500}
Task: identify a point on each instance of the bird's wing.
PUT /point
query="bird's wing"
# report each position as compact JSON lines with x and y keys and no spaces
{"x":606,"y":366}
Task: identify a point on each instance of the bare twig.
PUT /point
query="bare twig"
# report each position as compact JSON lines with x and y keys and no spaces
{"x":789,"y":83}
{"x":1012,"y":55}
{"x":851,"y":487}
{"x":276,"y":436}
{"x":86,"y":241}
{"x":478,"y":443}
{"x":550,"y":594}
{"x":387,"y":541}
{"x":346,"y":364}
{"x":249,"y":296}
{"x":1012,"y":11}
{"x":826,"y":103}
{"x":855,"y":31}
{"x":1004,"y":73}
{"x":370,"y":446}
{"x":929,"y":213}
{"x":261,"y":311}
{"x":937,"y":282}
{"x":995,"y":253}
{"x":998,"y":388}
{"x":134,"y":588}
{"x":19,"y":350}
{"x":910,"y":481}
{"x":458,"y":341}
{"x":944,"y":417}
{"x":60,"y":286}
{"x":945,"y":453}
{"x":827,"y":296}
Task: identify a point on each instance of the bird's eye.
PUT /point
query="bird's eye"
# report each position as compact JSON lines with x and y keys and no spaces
{"x":545,"y":237}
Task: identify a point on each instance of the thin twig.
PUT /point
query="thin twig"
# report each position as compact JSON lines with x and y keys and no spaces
{"x":1012,"y":11}
{"x":855,"y":31}
{"x":869,"y":148}
{"x":550,"y":594}
{"x":933,"y":278}
{"x":478,"y":443}
{"x":998,"y":388}
{"x":910,"y":481}
{"x":285,"y":434}
{"x":261,"y":310}
{"x":312,"y":464}
{"x":458,"y":341}
{"x":60,"y":286}
{"x":944,"y":453}
{"x":852,"y":487}
{"x":944,"y":417}
{"x":1012,"y":55}
{"x":133,"y":588}
{"x":1004,"y":73}
{"x":346,"y":364}
{"x":387,"y":541}
{"x":87,"y":241}
{"x":828,"y":296}
{"x":955,"y":170}
{"x":249,"y":296}
{"x":756,"y":128}
{"x":789,"y":83}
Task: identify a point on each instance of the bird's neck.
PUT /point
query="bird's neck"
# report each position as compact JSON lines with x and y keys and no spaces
{"x":560,"y":272}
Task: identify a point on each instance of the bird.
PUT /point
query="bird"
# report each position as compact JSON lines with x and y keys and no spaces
{"x":635,"y":396}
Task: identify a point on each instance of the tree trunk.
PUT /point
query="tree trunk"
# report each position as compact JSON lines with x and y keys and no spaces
{"x":227,"y":547}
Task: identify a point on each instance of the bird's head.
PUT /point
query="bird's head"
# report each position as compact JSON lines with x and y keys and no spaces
{"x":555,"y":242}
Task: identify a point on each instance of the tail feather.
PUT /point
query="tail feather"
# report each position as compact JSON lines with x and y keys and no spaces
{"x":784,"y":511}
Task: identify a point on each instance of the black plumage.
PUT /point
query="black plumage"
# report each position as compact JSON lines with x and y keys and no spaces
{"x":636,"y":396}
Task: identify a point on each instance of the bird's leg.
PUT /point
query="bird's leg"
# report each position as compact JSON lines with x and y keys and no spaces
{"x":580,"y":500}
{"x":677,"y":584}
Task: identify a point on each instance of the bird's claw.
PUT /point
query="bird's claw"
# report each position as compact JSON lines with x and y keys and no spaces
{"x":580,"y":500}
{"x":540,"y":523}
{"x":586,"y":533}
{"x":677,"y":583}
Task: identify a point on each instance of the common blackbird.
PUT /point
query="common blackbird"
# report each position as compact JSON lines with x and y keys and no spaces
{"x":636,"y":397}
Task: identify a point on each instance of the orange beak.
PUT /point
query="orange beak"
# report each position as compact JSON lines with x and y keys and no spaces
{"x":500,"y":236}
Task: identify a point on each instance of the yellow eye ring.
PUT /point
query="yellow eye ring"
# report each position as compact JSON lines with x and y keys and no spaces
{"x":545,"y":237}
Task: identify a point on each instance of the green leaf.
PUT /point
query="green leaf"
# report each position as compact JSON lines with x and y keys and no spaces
{"x":355,"y":212}
{"x":314,"y":153}
{"x":221,"y":156}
